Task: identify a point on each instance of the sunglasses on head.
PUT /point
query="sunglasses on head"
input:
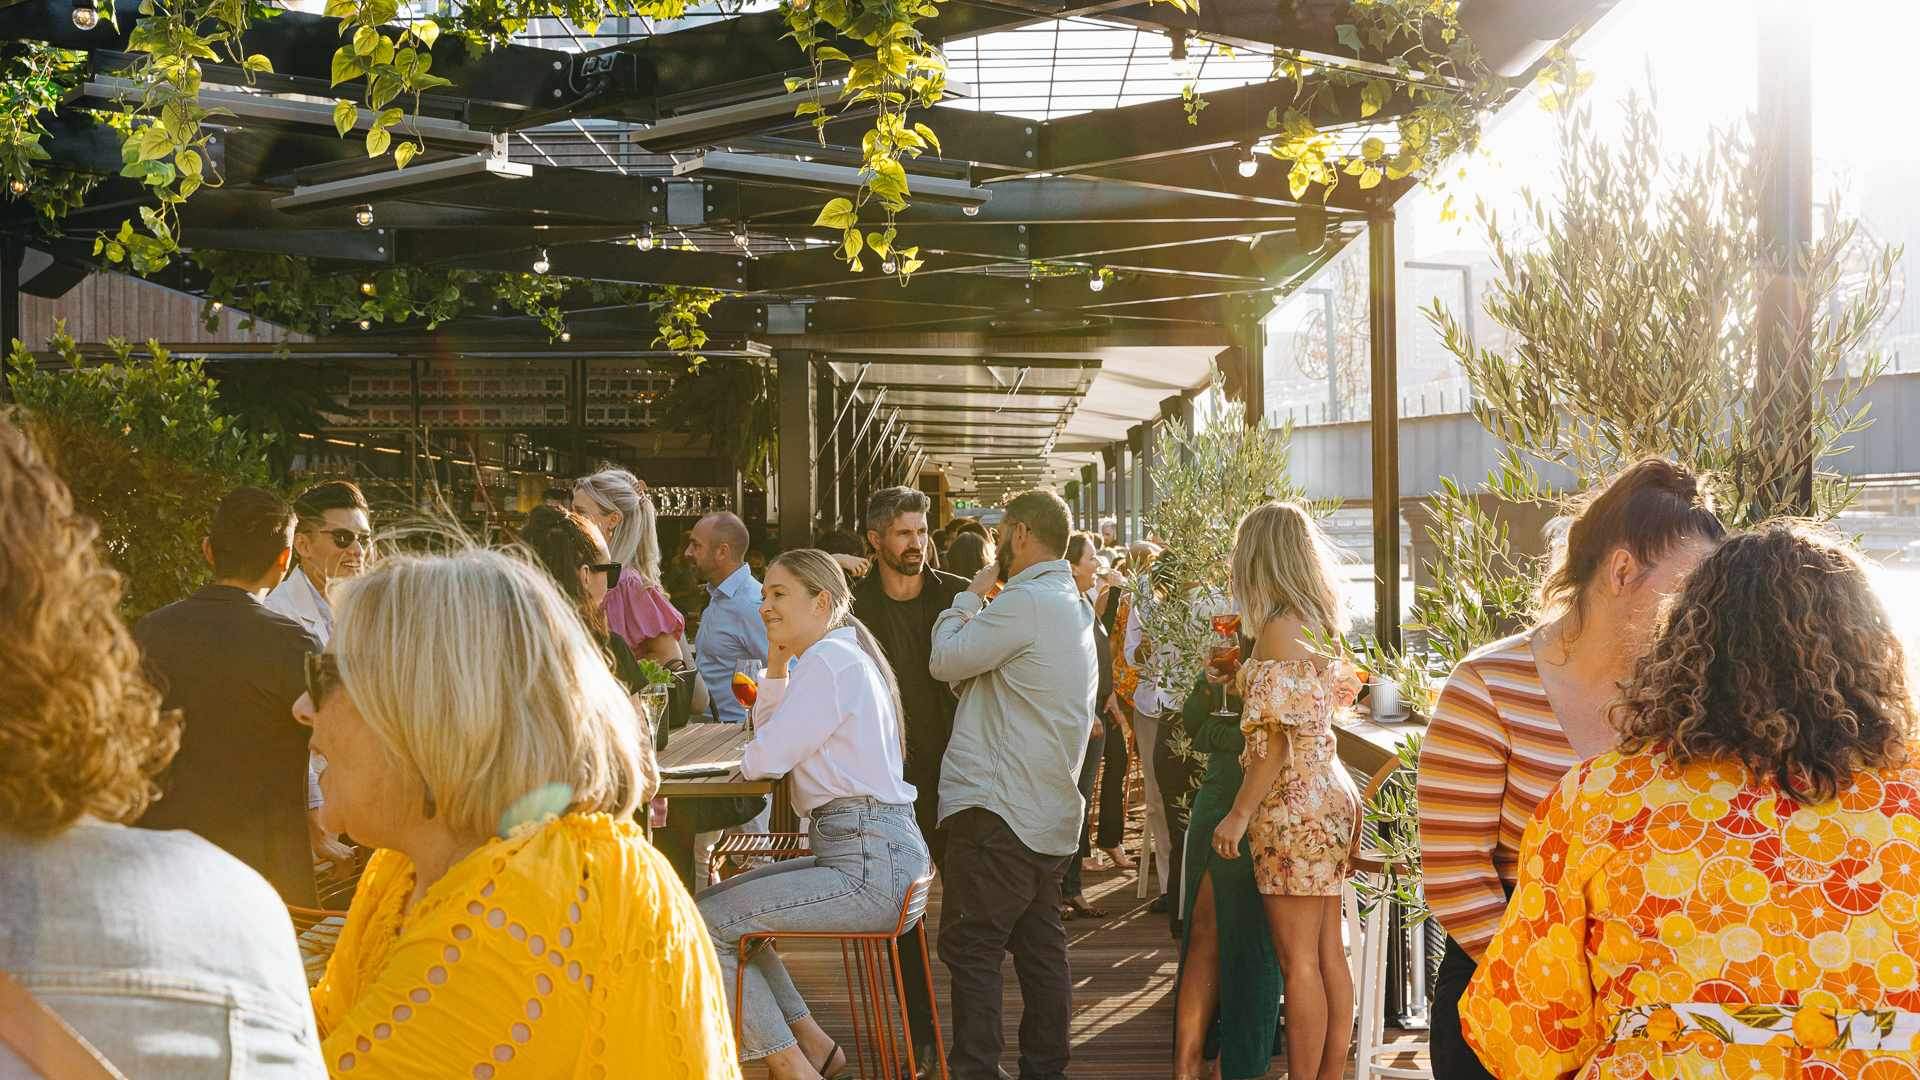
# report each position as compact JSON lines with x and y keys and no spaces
{"x":323,"y":675}
{"x":611,"y":569}
{"x":345,"y":538}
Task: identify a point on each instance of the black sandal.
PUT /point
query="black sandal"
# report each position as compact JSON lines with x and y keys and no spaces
{"x":833,"y":1052}
{"x":1083,"y":910}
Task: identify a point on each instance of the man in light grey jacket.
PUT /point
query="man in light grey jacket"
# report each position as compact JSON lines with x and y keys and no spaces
{"x":1010,"y":806}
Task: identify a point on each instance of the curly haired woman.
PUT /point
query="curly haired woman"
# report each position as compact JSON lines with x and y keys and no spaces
{"x":167,"y":955}
{"x":1735,"y":891}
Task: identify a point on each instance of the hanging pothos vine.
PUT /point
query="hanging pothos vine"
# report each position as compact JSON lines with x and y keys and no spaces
{"x":1415,"y":53}
{"x":294,"y":293}
{"x":906,"y":71}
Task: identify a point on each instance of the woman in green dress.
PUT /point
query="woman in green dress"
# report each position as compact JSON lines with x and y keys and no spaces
{"x":1226,"y":942}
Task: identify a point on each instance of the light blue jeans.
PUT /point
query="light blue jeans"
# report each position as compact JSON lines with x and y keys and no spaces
{"x":866,"y":854}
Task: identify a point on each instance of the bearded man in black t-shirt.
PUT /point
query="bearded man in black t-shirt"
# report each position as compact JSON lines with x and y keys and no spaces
{"x":898,"y":600}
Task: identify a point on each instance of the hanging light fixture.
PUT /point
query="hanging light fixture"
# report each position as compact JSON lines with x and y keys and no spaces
{"x":1185,"y":67}
{"x":17,"y":186}
{"x":1096,"y":283}
{"x":645,"y":240}
{"x":215,"y":307}
{"x":540,"y":263}
{"x":85,"y":15}
{"x":970,"y":210}
{"x":363,"y":215}
{"x":741,"y":240}
{"x":367,"y":288}
{"x":366,"y":324}
{"x":1250,"y":165}
{"x":566,"y":336}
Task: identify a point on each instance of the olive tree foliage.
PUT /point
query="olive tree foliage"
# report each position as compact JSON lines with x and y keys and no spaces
{"x":1634,"y":302}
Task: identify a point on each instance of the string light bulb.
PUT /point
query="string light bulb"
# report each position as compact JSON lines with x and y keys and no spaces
{"x":540,"y":262}
{"x":363,"y":215}
{"x":888,"y":265}
{"x":566,"y":336}
{"x":970,"y":210}
{"x":1250,"y":165}
{"x":85,"y":15}
{"x":17,"y":186}
{"x":645,"y":240}
{"x":1185,"y":67}
{"x":215,"y":307}
{"x":741,"y":240}
{"x":367,"y":288}
{"x":1096,"y":283}
{"x":366,"y":324}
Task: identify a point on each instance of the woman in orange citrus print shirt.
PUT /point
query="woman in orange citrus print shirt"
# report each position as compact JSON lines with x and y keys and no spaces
{"x":1735,"y":892}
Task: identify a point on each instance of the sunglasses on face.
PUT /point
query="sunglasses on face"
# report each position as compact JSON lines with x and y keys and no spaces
{"x":611,"y":569}
{"x":346,"y":538}
{"x":323,"y":675}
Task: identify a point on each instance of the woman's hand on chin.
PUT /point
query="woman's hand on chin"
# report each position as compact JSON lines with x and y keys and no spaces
{"x":779,"y":656}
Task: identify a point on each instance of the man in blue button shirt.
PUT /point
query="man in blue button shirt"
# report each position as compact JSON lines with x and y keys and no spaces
{"x":730,"y":627}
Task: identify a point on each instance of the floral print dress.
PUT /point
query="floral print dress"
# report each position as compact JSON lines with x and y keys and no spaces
{"x":1304,"y":827}
{"x":1692,"y":921}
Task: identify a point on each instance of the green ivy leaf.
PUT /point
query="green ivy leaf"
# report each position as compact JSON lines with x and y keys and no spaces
{"x":1349,"y":35}
{"x":1374,"y":94}
{"x":926,"y":133}
{"x":344,"y":115}
{"x":404,"y":153}
{"x":346,"y":66}
{"x":378,"y":138}
{"x":257,"y":63}
{"x":837,"y":214}
{"x":427,"y":32}
{"x":366,"y":40}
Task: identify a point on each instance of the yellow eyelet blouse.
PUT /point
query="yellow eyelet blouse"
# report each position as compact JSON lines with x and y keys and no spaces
{"x":568,"y":950}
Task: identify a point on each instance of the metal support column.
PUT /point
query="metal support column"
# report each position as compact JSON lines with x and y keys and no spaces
{"x":414,"y":447}
{"x":11,"y":253}
{"x":1784,"y":130}
{"x":1140,"y":445}
{"x":577,"y":417}
{"x":1382,"y":318}
{"x":1122,"y":493}
{"x":796,"y":494}
{"x":826,"y":485}
{"x":1089,"y":491}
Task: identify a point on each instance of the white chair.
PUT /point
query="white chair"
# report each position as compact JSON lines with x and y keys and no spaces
{"x":1368,"y":962}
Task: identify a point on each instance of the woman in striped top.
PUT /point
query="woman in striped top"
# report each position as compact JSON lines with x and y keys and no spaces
{"x":1519,"y":713}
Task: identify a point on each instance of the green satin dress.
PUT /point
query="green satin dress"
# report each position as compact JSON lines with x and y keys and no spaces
{"x":1244,"y":1033}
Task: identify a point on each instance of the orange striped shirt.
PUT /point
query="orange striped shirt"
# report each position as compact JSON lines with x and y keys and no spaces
{"x":1493,"y":751}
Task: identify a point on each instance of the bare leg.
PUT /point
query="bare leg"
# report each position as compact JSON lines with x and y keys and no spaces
{"x":1338,"y":980}
{"x":1295,"y":922}
{"x":1199,"y":985}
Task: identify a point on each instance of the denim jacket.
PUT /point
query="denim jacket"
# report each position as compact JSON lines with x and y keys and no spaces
{"x":167,"y":954}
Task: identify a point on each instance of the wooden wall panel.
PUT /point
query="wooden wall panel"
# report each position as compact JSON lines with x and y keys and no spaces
{"x":115,"y":305}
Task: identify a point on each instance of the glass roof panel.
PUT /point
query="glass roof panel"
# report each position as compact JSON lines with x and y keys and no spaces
{"x":1072,"y":66}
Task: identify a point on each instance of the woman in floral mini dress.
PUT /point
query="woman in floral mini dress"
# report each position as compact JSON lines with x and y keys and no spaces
{"x":1297,"y":809}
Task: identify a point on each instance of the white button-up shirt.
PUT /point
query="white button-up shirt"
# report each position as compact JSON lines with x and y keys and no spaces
{"x":298,"y":599}
{"x":830,"y":726}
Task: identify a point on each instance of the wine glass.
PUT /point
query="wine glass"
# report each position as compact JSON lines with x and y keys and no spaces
{"x":1223,"y":657}
{"x":746,"y":686}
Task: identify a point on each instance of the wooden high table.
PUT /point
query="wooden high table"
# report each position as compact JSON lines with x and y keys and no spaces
{"x":1364,"y":746}
{"x":699,"y":744}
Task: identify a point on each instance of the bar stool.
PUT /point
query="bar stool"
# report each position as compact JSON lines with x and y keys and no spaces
{"x":877,"y":951}
{"x":1368,"y":962}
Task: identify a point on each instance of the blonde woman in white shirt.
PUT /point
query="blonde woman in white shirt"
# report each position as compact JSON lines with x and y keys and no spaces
{"x":828,"y":718}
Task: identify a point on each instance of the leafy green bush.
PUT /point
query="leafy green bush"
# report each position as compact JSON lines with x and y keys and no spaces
{"x":147,"y":450}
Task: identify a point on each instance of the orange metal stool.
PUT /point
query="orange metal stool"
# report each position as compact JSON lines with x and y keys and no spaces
{"x":877,"y":951}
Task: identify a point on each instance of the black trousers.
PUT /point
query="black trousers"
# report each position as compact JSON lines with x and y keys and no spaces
{"x":1001,"y":897}
{"x":1452,"y":1058}
{"x":1113,"y":786}
{"x":926,"y":811}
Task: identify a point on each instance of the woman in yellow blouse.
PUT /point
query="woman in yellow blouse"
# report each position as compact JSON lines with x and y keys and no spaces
{"x":514,"y":921}
{"x":1735,"y":892}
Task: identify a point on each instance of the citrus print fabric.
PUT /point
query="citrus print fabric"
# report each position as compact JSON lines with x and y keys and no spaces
{"x":565,"y":950}
{"x":1302,"y":831}
{"x":1692,"y":921}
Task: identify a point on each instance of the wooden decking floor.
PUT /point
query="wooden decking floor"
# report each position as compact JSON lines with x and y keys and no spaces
{"x":1123,"y":976}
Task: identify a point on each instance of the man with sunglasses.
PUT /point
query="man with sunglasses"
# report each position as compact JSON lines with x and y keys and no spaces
{"x":333,"y":536}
